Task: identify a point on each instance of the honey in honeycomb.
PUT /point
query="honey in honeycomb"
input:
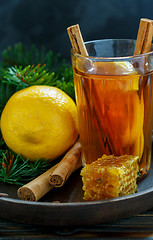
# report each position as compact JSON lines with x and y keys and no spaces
{"x":110,"y":177}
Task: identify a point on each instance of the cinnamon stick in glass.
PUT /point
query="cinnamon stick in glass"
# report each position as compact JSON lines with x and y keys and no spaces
{"x":144,"y":37}
{"x":143,"y":45}
{"x":77,"y":40}
{"x":79,"y":47}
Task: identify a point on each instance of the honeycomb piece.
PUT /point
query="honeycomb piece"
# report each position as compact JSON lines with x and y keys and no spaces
{"x":110,"y":177}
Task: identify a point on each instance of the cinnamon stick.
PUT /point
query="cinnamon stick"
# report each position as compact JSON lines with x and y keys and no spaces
{"x":114,"y":144}
{"x":144,"y":37}
{"x":79,"y":47}
{"x":3,"y":195}
{"x":37,"y":188}
{"x":70,"y":163}
{"x":77,"y":40}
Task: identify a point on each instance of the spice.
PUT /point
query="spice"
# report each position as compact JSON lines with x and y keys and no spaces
{"x":70,"y":163}
{"x":38,"y":187}
{"x":144,"y":37}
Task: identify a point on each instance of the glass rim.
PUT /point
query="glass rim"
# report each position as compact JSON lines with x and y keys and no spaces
{"x":111,"y":58}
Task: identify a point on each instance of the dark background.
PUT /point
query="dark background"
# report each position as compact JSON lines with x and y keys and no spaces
{"x":44,"y":22}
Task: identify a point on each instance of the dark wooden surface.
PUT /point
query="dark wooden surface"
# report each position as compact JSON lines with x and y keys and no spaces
{"x":136,"y":227}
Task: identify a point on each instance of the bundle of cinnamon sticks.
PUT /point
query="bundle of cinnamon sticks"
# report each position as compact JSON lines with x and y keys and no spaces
{"x":57,"y":175}
{"x":54,"y":177}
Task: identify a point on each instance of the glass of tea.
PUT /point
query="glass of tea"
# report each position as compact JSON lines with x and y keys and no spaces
{"x":114,"y":96}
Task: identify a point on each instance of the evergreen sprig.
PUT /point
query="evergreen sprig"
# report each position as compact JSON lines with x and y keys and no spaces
{"x":22,"y":77}
{"x":47,"y":71}
{"x":28,"y":76}
{"x":19,"y":55}
{"x":17,"y":170}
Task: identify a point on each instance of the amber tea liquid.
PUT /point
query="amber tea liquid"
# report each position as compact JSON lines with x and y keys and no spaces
{"x":113,"y":111}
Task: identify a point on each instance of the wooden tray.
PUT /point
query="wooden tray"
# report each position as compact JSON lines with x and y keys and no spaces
{"x":71,"y":210}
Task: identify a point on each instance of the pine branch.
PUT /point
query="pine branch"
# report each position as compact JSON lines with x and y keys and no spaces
{"x":19,"y":55}
{"x":28,"y":76}
{"x":17,"y":170}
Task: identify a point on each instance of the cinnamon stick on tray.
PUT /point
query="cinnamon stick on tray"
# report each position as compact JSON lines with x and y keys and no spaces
{"x":3,"y":195}
{"x":144,"y":37}
{"x":70,"y":163}
{"x":38,"y":187}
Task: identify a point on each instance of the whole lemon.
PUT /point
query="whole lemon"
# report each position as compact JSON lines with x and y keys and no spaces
{"x":39,"y":122}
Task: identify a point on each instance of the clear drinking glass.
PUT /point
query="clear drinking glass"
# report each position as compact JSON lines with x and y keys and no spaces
{"x":114,"y":98}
